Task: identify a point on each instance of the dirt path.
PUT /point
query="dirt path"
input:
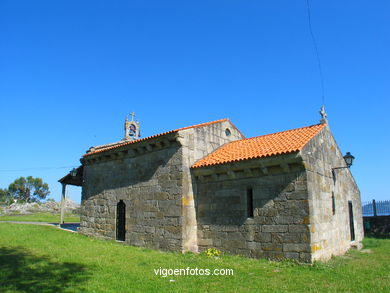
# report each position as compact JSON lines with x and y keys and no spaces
{"x":70,"y":227}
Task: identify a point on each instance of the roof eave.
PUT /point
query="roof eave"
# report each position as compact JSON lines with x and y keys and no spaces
{"x":257,"y":162}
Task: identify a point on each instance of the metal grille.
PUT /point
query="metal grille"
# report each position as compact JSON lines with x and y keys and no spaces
{"x":376,"y":208}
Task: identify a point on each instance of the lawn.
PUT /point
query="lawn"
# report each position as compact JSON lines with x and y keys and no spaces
{"x":41,"y":217}
{"x":46,"y":259}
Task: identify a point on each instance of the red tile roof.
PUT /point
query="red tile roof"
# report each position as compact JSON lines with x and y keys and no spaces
{"x":111,"y":146}
{"x":261,"y":146}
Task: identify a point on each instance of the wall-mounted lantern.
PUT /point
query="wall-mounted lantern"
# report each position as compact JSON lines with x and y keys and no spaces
{"x":348,"y":161}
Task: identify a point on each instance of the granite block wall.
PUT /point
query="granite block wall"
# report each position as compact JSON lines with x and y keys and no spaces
{"x":329,"y":218}
{"x":279,"y":227}
{"x":150,"y":184}
{"x":153,"y":179}
{"x":197,"y":143}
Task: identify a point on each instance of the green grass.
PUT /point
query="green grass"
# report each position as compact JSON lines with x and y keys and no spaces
{"x":40,"y":217}
{"x":46,"y":259}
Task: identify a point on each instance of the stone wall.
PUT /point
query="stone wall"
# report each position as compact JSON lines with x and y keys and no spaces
{"x":147,"y":176}
{"x":330,"y":231}
{"x":279,"y":227}
{"x":196,"y":144}
{"x":153,"y":179}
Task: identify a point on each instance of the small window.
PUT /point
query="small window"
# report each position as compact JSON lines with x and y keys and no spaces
{"x":227,"y":132}
{"x":249,"y":202}
{"x":351,"y":221}
{"x":333,"y":204}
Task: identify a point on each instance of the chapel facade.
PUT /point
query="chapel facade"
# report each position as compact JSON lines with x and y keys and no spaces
{"x":287,"y":195}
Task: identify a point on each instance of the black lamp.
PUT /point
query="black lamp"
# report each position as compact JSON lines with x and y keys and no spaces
{"x":349,"y":159}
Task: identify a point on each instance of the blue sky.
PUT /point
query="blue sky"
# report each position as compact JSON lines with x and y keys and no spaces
{"x":71,"y":70}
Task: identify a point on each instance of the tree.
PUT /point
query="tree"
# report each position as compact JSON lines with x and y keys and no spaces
{"x":4,"y":195}
{"x":29,"y":189}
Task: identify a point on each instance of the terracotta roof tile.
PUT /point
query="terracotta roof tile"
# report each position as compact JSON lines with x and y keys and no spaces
{"x":261,"y":146}
{"x":106,"y":147}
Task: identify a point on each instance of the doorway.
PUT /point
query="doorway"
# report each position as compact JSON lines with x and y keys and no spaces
{"x":121,"y":221}
{"x":351,"y":221}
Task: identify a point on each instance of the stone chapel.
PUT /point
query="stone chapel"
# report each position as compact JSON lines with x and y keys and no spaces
{"x":285,"y":195}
